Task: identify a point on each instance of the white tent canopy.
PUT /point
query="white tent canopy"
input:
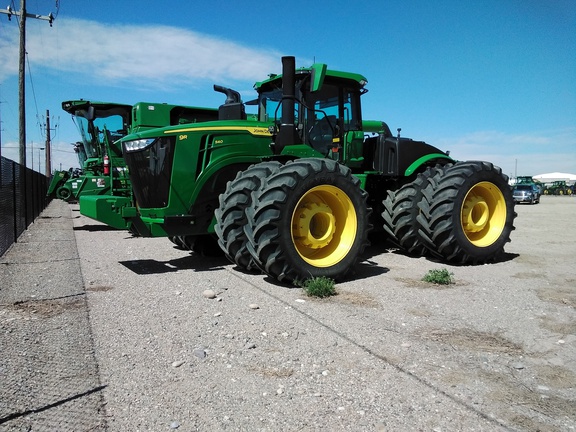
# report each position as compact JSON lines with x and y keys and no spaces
{"x":550,"y":177}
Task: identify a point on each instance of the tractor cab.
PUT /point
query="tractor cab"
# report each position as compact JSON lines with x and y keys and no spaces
{"x":313,"y":106}
{"x":100,"y":125}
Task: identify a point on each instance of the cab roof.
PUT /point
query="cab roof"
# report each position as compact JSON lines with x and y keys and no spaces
{"x":275,"y":80}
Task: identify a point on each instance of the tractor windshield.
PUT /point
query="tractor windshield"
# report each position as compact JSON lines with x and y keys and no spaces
{"x":94,"y":132}
{"x":271,"y":106}
{"x":333,"y":103}
{"x":321,"y":116}
{"x":329,"y":113}
{"x":80,"y":152}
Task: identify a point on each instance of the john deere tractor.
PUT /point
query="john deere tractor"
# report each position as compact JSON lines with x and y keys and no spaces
{"x":295,"y":192}
{"x":102,"y":186}
{"x":558,"y":187}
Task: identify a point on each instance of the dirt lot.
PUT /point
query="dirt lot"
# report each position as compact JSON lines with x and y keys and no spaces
{"x":494,"y":351}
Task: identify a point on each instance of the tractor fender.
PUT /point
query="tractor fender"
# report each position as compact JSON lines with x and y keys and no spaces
{"x":403,"y":157}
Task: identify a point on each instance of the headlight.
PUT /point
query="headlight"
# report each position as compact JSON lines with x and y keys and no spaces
{"x":135,"y":145}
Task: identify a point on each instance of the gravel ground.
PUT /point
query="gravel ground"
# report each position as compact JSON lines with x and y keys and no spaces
{"x":495,"y":351}
{"x":49,"y":377}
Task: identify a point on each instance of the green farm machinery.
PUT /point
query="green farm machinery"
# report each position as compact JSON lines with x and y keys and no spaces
{"x":559,"y":187}
{"x":102,"y":186}
{"x":295,"y":192}
{"x":100,"y":124}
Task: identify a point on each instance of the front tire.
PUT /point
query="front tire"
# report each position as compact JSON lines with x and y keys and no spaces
{"x":467,"y":213}
{"x":231,"y":214}
{"x":309,"y":219}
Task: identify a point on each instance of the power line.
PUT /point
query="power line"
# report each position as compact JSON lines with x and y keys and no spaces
{"x":33,"y":92}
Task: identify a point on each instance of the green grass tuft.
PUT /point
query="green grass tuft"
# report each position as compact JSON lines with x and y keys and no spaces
{"x":440,"y":277}
{"x":318,"y":287}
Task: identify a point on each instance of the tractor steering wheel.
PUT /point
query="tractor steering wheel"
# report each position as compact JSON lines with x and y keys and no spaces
{"x":321,"y":134}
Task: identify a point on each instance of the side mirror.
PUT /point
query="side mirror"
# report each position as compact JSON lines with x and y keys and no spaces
{"x":318,"y":73}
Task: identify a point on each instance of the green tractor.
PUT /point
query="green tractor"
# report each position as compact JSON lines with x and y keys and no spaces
{"x":108,"y":208}
{"x":558,"y":187}
{"x":102,"y":186}
{"x":296,"y":192}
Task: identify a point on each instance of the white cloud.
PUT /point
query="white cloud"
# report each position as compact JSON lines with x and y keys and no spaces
{"x":522,"y":154}
{"x":149,"y":55}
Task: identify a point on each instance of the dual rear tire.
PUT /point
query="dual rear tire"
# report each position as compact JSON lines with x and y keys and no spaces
{"x":461,"y":213}
{"x":307,"y":218}
{"x":467,"y":213}
{"x":232,"y":212}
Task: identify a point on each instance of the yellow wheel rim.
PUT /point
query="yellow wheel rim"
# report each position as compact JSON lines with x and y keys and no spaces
{"x":483,"y":214}
{"x":324,"y":226}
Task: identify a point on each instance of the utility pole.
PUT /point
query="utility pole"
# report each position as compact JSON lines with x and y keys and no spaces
{"x":21,"y":90}
{"x":21,"y":70}
{"x":48,"y":166}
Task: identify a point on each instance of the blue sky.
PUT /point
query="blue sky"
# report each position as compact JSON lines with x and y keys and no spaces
{"x":491,"y":79}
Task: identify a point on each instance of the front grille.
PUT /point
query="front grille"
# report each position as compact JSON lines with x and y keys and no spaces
{"x":150,"y":170}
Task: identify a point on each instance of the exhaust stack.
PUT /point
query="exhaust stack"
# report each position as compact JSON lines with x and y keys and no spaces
{"x":287,"y":132}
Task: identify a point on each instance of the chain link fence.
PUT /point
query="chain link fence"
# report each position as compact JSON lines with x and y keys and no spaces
{"x":22,"y":199}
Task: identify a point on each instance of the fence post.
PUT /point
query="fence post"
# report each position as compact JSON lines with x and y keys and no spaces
{"x":14,"y":196}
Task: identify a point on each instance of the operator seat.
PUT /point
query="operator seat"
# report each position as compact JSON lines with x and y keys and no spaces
{"x":321,"y":134}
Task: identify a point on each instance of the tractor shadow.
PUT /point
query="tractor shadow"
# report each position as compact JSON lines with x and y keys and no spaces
{"x":364,"y":270}
{"x":190,"y":262}
{"x":379,"y":244}
{"x":94,"y":228}
{"x":504,"y":257}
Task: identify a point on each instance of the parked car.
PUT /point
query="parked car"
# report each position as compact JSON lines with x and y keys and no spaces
{"x":526,"y":193}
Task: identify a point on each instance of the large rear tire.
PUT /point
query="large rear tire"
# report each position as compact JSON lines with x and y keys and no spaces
{"x":231,"y":214}
{"x":467,"y":213}
{"x":309,"y":219}
{"x":400,"y":212}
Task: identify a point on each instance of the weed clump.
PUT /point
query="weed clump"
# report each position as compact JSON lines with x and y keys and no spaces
{"x":318,"y":287}
{"x":440,"y":277}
